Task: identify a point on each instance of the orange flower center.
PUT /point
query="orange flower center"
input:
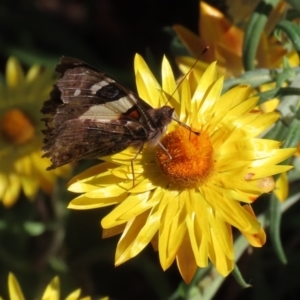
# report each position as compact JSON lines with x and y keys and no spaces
{"x":16,"y":128}
{"x":188,"y":160}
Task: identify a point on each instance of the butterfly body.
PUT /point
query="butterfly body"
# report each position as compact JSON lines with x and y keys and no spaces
{"x":90,"y":115}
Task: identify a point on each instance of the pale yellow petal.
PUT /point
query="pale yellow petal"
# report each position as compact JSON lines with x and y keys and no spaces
{"x":83,"y":202}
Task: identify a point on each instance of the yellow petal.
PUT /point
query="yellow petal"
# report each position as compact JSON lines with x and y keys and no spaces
{"x":231,"y":211}
{"x":242,"y":108}
{"x":185,"y":93}
{"x":233,"y":97}
{"x":3,"y":184}
{"x":128,"y":209}
{"x":223,"y":264}
{"x":258,"y":239}
{"x":172,"y":230}
{"x":261,"y":172}
{"x":198,"y":242}
{"x":83,"y":202}
{"x":12,"y":190}
{"x":207,"y":106}
{"x":74,"y":295}
{"x":148,"y":87}
{"x":186,"y":261}
{"x":209,"y":76}
{"x":282,"y":187}
{"x":14,"y":288}
{"x":186,"y":63}
{"x":30,"y":186}
{"x":125,"y":250}
{"x":109,"y":232}
{"x":52,"y":290}
{"x":90,"y":175}
{"x":168,"y":82}
{"x":14,"y":73}
{"x":275,"y":156}
{"x":131,"y":207}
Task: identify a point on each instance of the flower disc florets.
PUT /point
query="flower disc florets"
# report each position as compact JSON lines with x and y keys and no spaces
{"x":189,"y":160}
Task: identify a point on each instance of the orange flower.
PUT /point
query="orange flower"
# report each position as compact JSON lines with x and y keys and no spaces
{"x":225,"y":42}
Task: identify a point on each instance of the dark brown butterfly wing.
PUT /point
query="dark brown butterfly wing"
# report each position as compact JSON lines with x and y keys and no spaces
{"x":89,"y":114}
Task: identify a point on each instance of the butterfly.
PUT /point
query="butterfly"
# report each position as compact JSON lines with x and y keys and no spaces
{"x":90,"y":115}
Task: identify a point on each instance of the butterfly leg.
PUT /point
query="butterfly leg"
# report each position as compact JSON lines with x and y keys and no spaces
{"x":167,"y":152}
{"x":132,"y":161}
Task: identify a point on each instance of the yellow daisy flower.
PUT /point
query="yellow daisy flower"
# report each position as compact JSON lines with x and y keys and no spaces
{"x":22,"y":167}
{"x":52,"y":291}
{"x":225,"y":41}
{"x":186,"y":206}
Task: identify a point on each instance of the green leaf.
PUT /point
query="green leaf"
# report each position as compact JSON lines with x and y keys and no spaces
{"x":287,"y":74}
{"x":292,"y":137}
{"x":254,"y":30}
{"x":275,"y":220}
{"x":256,"y":78}
{"x":295,"y":4}
{"x":34,"y":228}
{"x":239,"y":278}
{"x":288,"y":133}
{"x":293,"y":32}
{"x":278,"y":93}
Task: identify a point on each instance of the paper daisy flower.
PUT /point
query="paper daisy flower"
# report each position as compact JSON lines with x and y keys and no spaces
{"x":52,"y":291}
{"x":21,"y":165}
{"x":188,"y":196}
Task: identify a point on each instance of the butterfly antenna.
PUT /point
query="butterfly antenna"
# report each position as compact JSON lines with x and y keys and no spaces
{"x":188,"y":73}
{"x":181,"y":81}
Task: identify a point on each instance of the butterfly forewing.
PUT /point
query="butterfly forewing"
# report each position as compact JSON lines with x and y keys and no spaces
{"x":91,"y":115}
